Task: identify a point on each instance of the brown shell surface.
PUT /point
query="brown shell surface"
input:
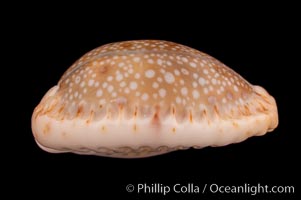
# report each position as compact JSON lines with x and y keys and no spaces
{"x":153,"y":79}
{"x":152,"y":75}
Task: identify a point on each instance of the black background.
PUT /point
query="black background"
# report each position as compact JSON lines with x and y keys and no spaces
{"x":258,"y":44}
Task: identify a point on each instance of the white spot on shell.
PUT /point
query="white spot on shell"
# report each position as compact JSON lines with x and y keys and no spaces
{"x":122,"y":84}
{"x":195,"y":94}
{"x":96,"y":84}
{"x":105,"y":84}
{"x":77,"y":79}
{"x":184,"y":71}
{"x":240,"y":101}
{"x":155,"y":85}
{"x":121,"y":64}
{"x":213,"y":81}
{"x":195,"y":75}
{"x":202,"y":107}
{"x":99,"y":93}
{"x":229,"y":96}
{"x":133,"y":85}
{"x":119,"y":77}
{"x":130,"y":71}
{"x":136,"y":59}
{"x":162,"y":92}
{"x":178,"y":100}
{"x":224,"y":100}
{"x":184,"y":59}
{"x":110,"y":88}
{"x":137,"y":76}
{"x":127,"y":90}
{"x":169,"y":78}
{"x":144,"y":97}
{"x":82,"y":84}
{"x":150,"y":73}
{"x":192,"y":64}
{"x":177,"y":72}
{"x":102,"y":101}
{"x":235,"y":88}
{"x":91,"y":82}
{"x":194,"y":84}
{"x":184,"y":91}
{"x":211,"y":100}
{"x":150,"y":61}
{"x":202,"y":81}
{"x":120,"y":100}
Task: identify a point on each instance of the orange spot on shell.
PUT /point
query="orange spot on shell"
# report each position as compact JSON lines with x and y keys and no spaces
{"x":46,"y":129}
{"x":173,"y":110}
{"x":79,"y":110}
{"x":156,"y":119}
{"x":135,"y":112}
{"x":90,"y":117}
{"x":216,"y":110}
{"x":248,"y":133}
{"x":247,"y":110}
{"x":190,"y":117}
{"x":60,"y":110}
{"x":235,"y":124}
{"x":135,"y":127}
{"x":126,"y":45}
{"x":103,"y":69}
{"x":64,"y":134}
